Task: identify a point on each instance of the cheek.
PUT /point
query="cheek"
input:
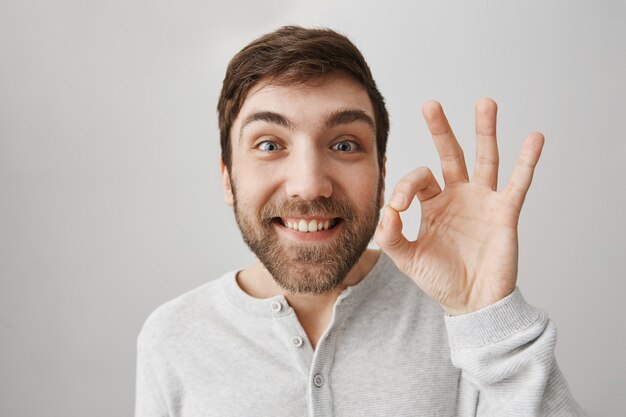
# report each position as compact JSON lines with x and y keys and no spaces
{"x":252,"y":190}
{"x":362,"y":187}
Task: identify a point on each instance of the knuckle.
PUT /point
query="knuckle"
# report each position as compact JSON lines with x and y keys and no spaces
{"x":487,"y":160}
{"x":525,"y":163}
{"x":412,"y":181}
{"x":516,"y":187}
{"x":423,"y":171}
{"x":453,"y":157}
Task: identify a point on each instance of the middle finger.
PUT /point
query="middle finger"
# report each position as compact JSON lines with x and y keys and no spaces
{"x":450,"y":152}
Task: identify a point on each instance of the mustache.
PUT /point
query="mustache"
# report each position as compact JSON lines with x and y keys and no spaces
{"x":322,"y":207}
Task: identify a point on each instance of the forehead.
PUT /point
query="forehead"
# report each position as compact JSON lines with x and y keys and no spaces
{"x":307,"y":102}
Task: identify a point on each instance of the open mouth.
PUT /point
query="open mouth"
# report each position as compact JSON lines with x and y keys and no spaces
{"x":308,"y":225}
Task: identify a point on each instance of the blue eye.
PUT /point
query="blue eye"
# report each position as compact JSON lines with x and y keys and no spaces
{"x":345,"y":146}
{"x":268,"y":146}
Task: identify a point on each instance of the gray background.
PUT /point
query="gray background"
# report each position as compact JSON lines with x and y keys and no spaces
{"x":110,"y":198}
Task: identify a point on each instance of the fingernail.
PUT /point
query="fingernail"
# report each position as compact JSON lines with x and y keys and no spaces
{"x":398,"y":200}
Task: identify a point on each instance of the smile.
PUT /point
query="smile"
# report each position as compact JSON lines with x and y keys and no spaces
{"x":308,"y":225}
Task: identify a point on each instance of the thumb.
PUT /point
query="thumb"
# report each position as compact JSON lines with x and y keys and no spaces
{"x":390,"y":238}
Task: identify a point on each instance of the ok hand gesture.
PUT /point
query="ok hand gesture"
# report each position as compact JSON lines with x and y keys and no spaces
{"x":465,"y":255}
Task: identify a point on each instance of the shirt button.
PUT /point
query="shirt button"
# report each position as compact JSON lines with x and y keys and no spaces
{"x":276,"y":306}
{"x":296,"y":341}
{"x":318,"y":380}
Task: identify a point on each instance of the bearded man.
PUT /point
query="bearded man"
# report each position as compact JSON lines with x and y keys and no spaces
{"x":321,"y":325}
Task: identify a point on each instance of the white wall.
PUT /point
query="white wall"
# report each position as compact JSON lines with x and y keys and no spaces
{"x":110,"y":200}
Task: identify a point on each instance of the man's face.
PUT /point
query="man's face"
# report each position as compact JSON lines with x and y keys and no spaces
{"x":305,"y":181}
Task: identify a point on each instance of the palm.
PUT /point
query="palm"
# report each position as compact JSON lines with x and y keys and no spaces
{"x":465,"y":255}
{"x":468,"y":235}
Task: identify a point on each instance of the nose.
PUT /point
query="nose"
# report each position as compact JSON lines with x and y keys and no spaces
{"x":308,"y":176}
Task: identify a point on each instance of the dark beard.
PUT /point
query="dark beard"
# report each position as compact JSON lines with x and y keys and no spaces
{"x":312,"y":268}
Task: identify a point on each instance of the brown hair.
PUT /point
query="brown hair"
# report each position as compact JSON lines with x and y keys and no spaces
{"x":293,"y":55}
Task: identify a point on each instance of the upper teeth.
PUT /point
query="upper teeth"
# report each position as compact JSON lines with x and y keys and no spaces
{"x":309,"y":226}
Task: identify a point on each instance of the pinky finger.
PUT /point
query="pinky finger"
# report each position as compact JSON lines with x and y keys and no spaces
{"x":524,"y":169}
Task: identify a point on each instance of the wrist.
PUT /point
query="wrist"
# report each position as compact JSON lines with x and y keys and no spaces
{"x":474,"y":305}
{"x":493,"y":323}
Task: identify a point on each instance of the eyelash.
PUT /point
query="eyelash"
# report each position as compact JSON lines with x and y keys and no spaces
{"x":269,"y":142}
{"x":355,"y":146}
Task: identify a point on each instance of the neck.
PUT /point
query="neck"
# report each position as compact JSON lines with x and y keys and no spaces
{"x":257,"y":282}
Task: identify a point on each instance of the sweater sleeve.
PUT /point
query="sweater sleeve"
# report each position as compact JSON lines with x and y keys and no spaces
{"x":148,"y":401}
{"x":506,"y":356}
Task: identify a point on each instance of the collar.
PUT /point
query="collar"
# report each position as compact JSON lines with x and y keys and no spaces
{"x":278,"y":306}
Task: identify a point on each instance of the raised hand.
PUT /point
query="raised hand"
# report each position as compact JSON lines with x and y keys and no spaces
{"x":465,"y":255}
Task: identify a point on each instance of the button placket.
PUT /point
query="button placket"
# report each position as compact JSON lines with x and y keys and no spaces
{"x":318,"y":380}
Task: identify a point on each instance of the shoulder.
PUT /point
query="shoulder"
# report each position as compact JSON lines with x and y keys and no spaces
{"x":181,"y":315}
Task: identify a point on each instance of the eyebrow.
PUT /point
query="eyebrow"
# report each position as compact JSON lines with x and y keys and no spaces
{"x":347,"y":116}
{"x":334,"y":119}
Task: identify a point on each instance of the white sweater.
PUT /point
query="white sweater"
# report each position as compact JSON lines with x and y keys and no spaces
{"x":389,"y":350}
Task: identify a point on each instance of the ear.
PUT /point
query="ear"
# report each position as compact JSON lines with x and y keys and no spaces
{"x":226,"y":185}
{"x":383,"y":173}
